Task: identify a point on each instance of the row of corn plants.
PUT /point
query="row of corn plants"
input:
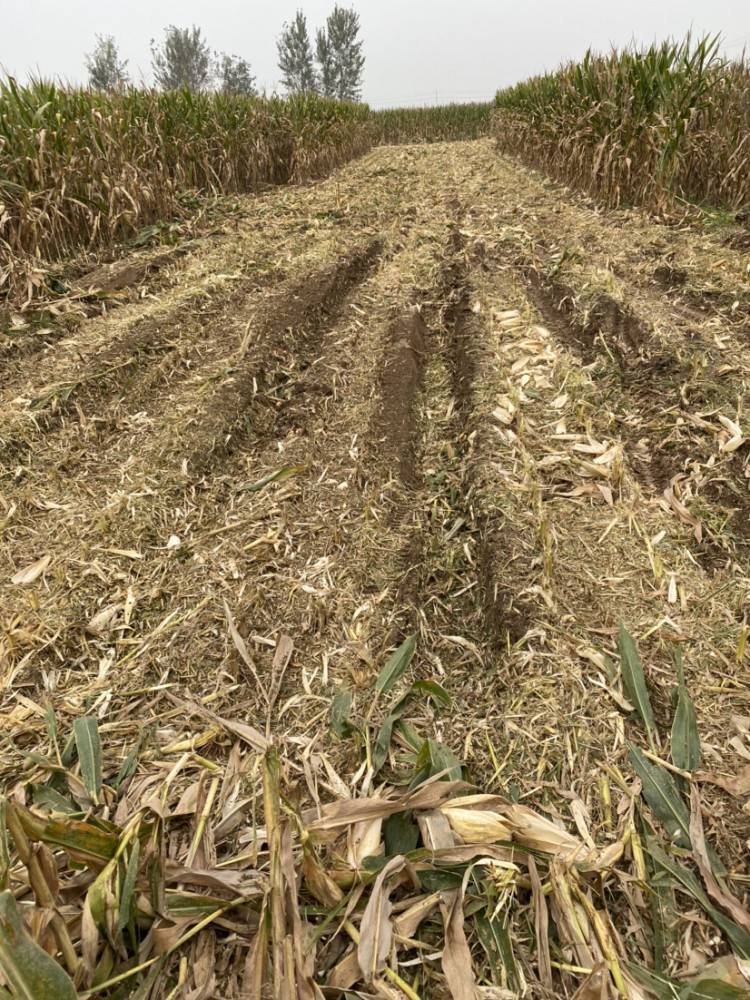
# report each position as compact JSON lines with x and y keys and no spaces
{"x":444,"y":123}
{"x":650,"y":126}
{"x":85,"y":168}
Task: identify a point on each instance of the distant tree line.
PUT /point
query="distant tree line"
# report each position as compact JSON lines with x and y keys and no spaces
{"x":334,"y":68}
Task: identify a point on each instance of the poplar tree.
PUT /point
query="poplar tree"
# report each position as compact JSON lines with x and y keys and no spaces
{"x":105,"y":69}
{"x":183,"y":60}
{"x":296,"y":57}
{"x":339,"y":55}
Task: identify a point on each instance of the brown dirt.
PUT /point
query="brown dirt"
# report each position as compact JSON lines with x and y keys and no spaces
{"x":557,"y":311}
{"x":290,"y":324}
{"x":507,"y":616}
{"x":670,"y":277}
{"x":402,"y":373}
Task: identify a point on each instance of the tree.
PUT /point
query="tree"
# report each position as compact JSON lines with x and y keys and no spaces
{"x":103,"y":64}
{"x":296,"y":58}
{"x":234,"y":75}
{"x":184,"y":60}
{"x":339,"y":55}
{"x":326,"y":65}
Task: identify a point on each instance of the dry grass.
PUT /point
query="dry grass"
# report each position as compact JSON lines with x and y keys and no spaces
{"x":495,"y":489}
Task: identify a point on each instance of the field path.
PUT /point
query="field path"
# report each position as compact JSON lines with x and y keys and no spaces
{"x":434,"y":393}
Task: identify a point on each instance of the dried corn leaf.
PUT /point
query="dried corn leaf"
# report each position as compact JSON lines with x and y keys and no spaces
{"x":31,"y":573}
{"x":376,"y":931}
{"x":723,"y":897}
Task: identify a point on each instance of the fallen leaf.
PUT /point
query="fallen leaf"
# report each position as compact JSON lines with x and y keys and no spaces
{"x":32,"y":572}
{"x":739,"y":786}
{"x":377,"y":930}
{"x":722,"y":896}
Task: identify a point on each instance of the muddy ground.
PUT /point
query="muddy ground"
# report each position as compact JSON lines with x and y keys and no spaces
{"x":503,"y":418}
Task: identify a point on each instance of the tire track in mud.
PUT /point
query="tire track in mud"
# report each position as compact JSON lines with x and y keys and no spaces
{"x":641,"y":381}
{"x":453,"y":567}
{"x":125,"y":474}
{"x":505,"y":616}
{"x":293,"y":328}
{"x":403,"y":369}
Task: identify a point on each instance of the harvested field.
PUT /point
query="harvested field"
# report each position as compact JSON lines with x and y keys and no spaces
{"x":432,"y":395}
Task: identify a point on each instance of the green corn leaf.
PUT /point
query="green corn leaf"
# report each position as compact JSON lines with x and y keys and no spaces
{"x":433,"y":690}
{"x":714,"y":989}
{"x":31,"y":973}
{"x":738,"y":939}
{"x":396,"y":665}
{"x":128,"y":888}
{"x":285,"y":472}
{"x":661,"y":793}
{"x":400,"y":833}
{"x":4,"y":850}
{"x":383,"y":739}
{"x":88,"y":744}
{"x":635,"y":682}
{"x":435,"y":758}
{"x":409,"y":735}
{"x":49,"y":799}
{"x":99,"y":891}
{"x":83,"y":841}
{"x":129,"y":764}
{"x":686,"y":744}
{"x":440,"y":879}
{"x":341,"y":711}
{"x":493,"y":932}
{"x":50,"y":723}
{"x":663,"y":987}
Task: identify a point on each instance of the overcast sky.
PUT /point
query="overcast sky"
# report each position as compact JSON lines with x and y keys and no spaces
{"x":417,"y":51}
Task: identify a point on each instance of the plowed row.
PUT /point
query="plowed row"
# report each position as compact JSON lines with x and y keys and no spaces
{"x":475,"y":389}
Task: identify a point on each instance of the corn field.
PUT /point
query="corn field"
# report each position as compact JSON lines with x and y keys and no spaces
{"x":653,"y":126}
{"x":84,"y":168}
{"x":448,"y":123}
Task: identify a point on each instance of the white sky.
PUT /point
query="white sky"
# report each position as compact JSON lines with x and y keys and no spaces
{"x":417,"y":51}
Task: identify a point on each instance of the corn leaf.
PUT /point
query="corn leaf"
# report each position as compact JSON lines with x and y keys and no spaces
{"x":383,"y":739}
{"x":686,"y":744}
{"x":635,"y":682}
{"x":4,"y":851}
{"x":433,"y":690}
{"x":396,"y":665}
{"x":738,"y":939}
{"x":434,"y":758}
{"x":30,"y":971}
{"x":400,"y":833}
{"x":83,"y":841}
{"x":494,"y":936}
{"x":340,"y":712}
{"x":89,"y":748}
{"x":661,"y":793}
{"x":715,"y":989}
{"x":127,"y":908}
{"x":286,"y":472}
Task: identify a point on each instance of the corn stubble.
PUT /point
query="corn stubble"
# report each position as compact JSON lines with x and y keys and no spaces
{"x":655,"y":127}
{"x":81,"y":168}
